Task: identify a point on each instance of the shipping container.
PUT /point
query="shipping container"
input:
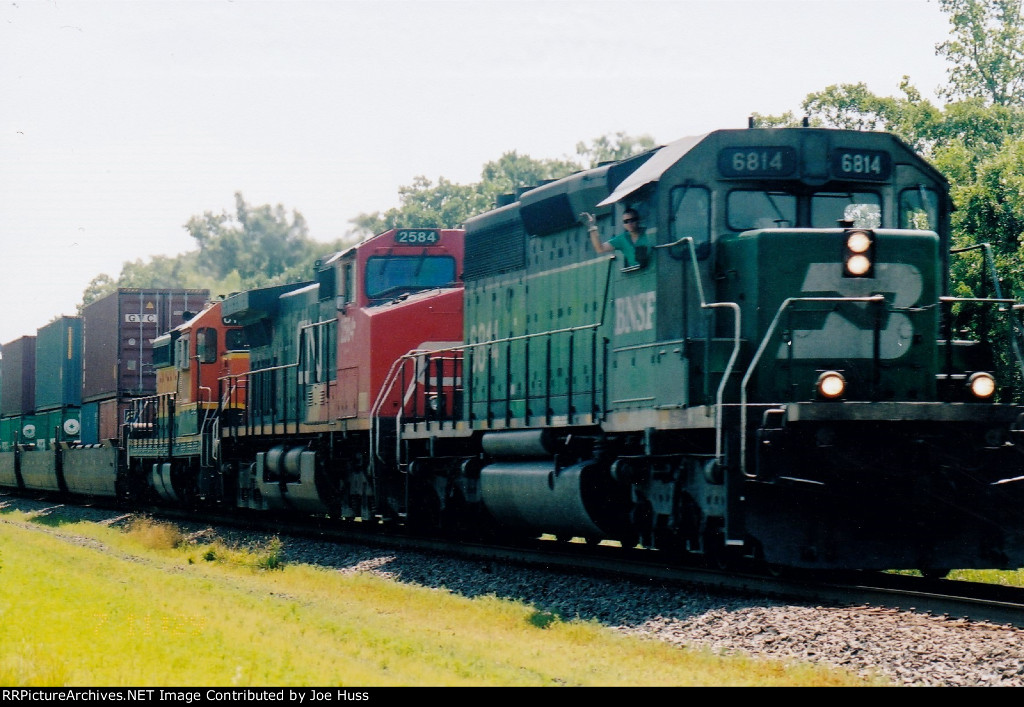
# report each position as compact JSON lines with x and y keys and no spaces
{"x":55,"y":426}
{"x":117,"y":338}
{"x":17,"y":430}
{"x":90,"y":420}
{"x":59,"y":364}
{"x":19,"y":377}
{"x":10,"y":433}
{"x":111,"y":417}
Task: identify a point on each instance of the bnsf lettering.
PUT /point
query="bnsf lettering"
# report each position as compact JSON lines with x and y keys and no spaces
{"x":634,"y":313}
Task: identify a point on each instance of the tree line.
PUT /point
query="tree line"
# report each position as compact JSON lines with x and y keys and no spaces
{"x":976,"y":139}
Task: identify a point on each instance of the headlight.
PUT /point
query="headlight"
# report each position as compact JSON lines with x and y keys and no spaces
{"x":831,"y":385}
{"x":858,"y":265}
{"x":858,"y":242}
{"x":982,"y":385}
{"x":859,"y":253}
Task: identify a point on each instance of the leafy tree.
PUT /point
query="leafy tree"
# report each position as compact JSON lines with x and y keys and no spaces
{"x":854,"y":107}
{"x":613,"y":148}
{"x":447,"y":204}
{"x":785,"y":120}
{"x":512,"y":171}
{"x":260,"y":245}
{"x":251,"y":247}
{"x":254,"y":246}
{"x":424,"y":204}
{"x":986,"y":50}
{"x":992,"y":206}
{"x":98,"y":288}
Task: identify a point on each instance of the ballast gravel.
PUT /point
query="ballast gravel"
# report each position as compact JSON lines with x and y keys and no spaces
{"x":904,"y":647}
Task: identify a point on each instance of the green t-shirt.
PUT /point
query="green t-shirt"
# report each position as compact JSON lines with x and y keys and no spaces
{"x":624,"y":244}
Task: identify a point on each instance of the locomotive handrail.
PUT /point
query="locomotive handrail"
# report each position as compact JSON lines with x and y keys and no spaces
{"x":385,"y":391}
{"x":1014,"y":304}
{"x":522,"y":337}
{"x":391,"y":377}
{"x":416,"y":356}
{"x":260,"y":373}
{"x":877,"y":299}
{"x":688,"y":240}
{"x":737,"y":320}
{"x":992,"y":300}
{"x":990,"y":264}
{"x":232,"y":383}
{"x":149,"y":408}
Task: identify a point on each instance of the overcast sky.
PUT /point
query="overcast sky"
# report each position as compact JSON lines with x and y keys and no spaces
{"x":121,"y":120}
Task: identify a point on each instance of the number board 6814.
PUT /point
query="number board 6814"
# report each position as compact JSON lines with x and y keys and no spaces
{"x":757,"y":161}
{"x":874,"y":165}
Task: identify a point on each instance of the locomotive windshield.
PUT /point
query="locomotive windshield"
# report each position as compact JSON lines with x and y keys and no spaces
{"x":234,"y":340}
{"x":864,"y":209}
{"x":751,"y":209}
{"x":390,"y":276}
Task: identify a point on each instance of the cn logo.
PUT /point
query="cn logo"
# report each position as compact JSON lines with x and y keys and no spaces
{"x":848,"y":330}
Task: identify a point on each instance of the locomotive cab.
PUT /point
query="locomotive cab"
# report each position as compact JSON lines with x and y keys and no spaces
{"x":330,"y":374}
{"x":172,"y":434}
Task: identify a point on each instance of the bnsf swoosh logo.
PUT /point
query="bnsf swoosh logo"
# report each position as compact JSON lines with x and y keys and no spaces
{"x":848,"y":332}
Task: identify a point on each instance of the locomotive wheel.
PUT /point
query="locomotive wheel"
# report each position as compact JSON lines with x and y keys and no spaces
{"x":425,"y":516}
{"x":716,"y":554}
{"x":759,"y":564}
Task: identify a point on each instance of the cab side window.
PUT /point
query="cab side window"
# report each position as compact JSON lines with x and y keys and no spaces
{"x":691,"y":217}
{"x":206,"y":345}
{"x":919,"y":208}
{"x":181,"y":353}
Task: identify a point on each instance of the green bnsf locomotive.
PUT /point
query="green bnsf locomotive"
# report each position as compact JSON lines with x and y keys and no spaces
{"x":770,"y":371}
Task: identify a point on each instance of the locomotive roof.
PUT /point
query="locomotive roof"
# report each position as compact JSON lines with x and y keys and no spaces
{"x":652,"y":169}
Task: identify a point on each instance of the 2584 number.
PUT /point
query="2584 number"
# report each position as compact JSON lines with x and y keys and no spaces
{"x":408,"y":236}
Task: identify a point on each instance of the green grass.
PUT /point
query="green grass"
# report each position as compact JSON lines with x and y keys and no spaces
{"x":1006,"y":578}
{"x":151,"y":609}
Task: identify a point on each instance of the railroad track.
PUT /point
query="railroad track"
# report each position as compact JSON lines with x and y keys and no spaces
{"x":971,"y":601}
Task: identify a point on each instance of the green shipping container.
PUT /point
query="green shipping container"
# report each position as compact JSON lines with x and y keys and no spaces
{"x":59,"y":364}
